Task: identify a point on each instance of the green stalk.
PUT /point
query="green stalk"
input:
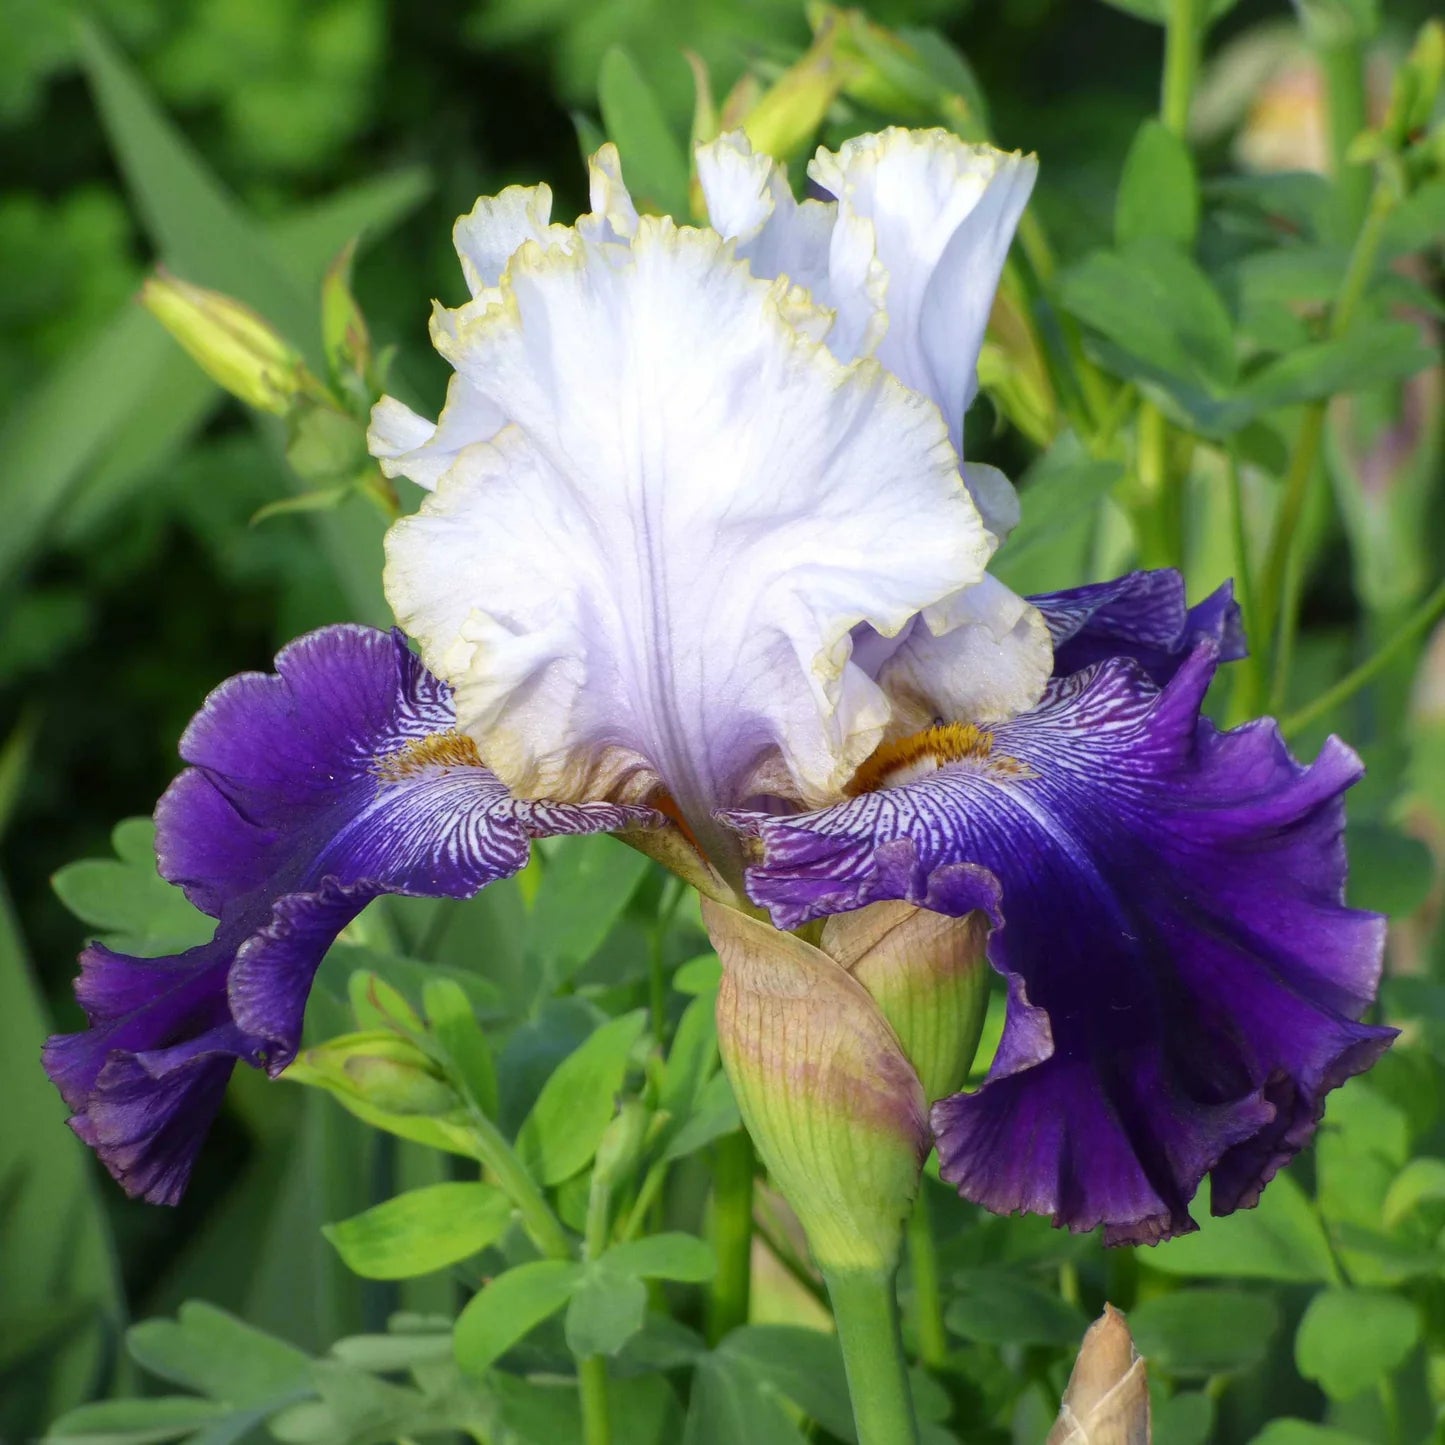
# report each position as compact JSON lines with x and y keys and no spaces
{"x":927,"y":1285}
{"x":1159,"y":522}
{"x":732,"y":1231}
{"x":865,"y":1309}
{"x":1182,"y":34}
{"x":1275,"y":608}
{"x":1343,"y":65}
{"x":592,"y":1369}
{"x":1419,"y":621}
{"x":1247,"y":698}
{"x":511,"y":1177}
{"x":592,"y":1386}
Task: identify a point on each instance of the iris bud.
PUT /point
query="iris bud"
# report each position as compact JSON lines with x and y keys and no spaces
{"x":1107,"y":1399}
{"x":234,"y":346}
{"x":379,"y":1069}
{"x":928,"y":974}
{"x":622,"y":1144}
{"x":824,"y":1087}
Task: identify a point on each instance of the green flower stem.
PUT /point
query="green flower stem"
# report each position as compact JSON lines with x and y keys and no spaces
{"x":1419,"y":621}
{"x":1343,"y":65}
{"x":511,"y":1177}
{"x":1275,"y":613}
{"x":732,"y":1229}
{"x":592,"y":1369}
{"x":592,"y":1384}
{"x":927,"y":1284}
{"x":1248,"y":696}
{"x":1182,"y":35}
{"x":1159,"y":519}
{"x":865,"y":1309}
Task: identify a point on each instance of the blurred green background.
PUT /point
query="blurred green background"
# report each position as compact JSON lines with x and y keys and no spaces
{"x":131,"y":579}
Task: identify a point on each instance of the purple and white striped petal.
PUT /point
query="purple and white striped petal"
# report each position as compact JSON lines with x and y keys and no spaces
{"x":310,"y":792}
{"x":1185,"y":979}
{"x":1142,"y":615}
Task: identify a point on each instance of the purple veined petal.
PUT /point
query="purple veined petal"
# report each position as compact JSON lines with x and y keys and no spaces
{"x":1142,"y":615}
{"x":1185,"y":979}
{"x":311,"y":791}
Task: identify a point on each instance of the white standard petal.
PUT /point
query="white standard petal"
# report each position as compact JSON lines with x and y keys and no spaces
{"x":934,"y":216}
{"x":750,"y":202}
{"x":648,"y":579}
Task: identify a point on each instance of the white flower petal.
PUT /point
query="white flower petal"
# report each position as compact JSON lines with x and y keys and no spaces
{"x":981,"y":655}
{"x":749,"y":201}
{"x":935,"y":215}
{"x":650,"y":576}
{"x":407,"y":445}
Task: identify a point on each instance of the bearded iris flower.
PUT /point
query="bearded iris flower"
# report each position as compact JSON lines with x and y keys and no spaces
{"x":701,"y":561}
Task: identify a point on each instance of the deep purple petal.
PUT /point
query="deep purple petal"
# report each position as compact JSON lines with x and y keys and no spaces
{"x":1142,"y":615}
{"x":1185,"y":978}
{"x":311,"y":792}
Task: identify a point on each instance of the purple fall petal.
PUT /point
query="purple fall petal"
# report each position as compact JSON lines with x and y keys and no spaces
{"x":1141,"y":615}
{"x":1184,"y":977}
{"x":310,"y":792}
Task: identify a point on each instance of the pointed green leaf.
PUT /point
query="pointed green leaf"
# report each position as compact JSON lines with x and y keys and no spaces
{"x":424,"y":1230}
{"x":653,"y":159}
{"x":510,"y":1307}
{"x":1159,"y":190}
{"x":561,"y":1134}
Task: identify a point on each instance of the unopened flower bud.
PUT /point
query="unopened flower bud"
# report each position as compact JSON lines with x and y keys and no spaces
{"x":380,"y":1069}
{"x":1107,"y":1399}
{"x":928,"y":974}
{"x":827,"y":1094}
{"x":783,"y":120}
{"x":621,"y":1145}
{"x":234,"y":346}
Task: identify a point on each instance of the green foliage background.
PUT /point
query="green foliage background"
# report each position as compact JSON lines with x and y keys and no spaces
{"x":243,"y":142}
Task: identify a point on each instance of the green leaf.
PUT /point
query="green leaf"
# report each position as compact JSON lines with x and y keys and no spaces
{"x":1367,"y":355}
{"x":1281,"y":1238}
{"x":1350,"y":1339}
{"x":731,"y":1402}
{"x":1304,"y":1432}
{"x":1161,"y":324}
{"x":1157,"y":11}
{"x":510,"y":1307}
{"x":421,"y":1231}
{"x":136,"y":1422}
{"x":653,"y":159}
{"x":1183,"y":1419}
{"x":1203,"y":1332}
{"x":1421,"y":1181}
{"x":390,"y":1354}
{"x":586,"y":885}
{"x":1159,"y":191}
{"x":464,"y":1046}
{"x":212,"y":1352}
{"x":606,"y":1310}
{"x":699,"y":975}
{"x":996,"y":1307}
{"x":58,"y":1255}
{"x":681,"y":1257}
{"x":562,"y":1132}
{"x":803,"y":1365}
{"x":715,"y":1114}
{"x":136,"y":909}
{"x":1060,"y":498}
{"x":1389,"y":871}
{"x":201,"y":231}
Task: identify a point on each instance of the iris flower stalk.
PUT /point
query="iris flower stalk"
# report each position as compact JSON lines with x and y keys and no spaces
{"x":701,"y":562}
